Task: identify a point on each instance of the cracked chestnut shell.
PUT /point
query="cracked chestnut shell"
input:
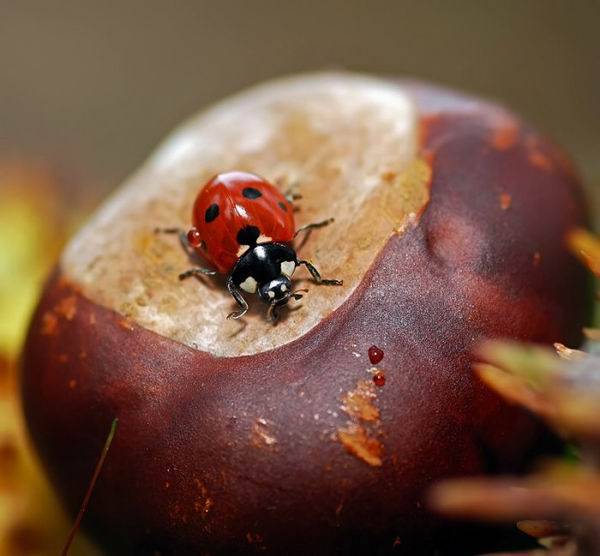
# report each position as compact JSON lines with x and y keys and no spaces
{"x":246,"y":437}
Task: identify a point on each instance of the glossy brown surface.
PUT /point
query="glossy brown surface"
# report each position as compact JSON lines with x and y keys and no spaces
{"x":295,"y":449}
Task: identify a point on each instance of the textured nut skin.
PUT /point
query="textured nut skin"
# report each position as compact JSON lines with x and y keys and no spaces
{"x":243,"y":454}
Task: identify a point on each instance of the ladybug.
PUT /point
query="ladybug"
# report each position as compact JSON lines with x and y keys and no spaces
{"x":244,"y":227}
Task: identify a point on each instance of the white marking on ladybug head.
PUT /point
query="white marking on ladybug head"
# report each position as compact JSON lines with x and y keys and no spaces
{"x":249,"y":285}
{"x":287,"y":268}
{"x":242,"y":250}
{"x":271,"y":294}
{"x":263,"y":239}
{"x":283,"y":288}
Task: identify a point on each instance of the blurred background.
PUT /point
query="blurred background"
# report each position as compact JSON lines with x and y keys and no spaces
{"x":95,"y":85}
{"x":88,"y":89}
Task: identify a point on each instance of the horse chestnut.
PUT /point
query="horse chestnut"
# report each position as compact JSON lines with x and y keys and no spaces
{"x":239,"y":437}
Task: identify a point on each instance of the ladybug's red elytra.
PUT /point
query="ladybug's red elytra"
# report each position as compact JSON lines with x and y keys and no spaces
{"x":244,"y":227}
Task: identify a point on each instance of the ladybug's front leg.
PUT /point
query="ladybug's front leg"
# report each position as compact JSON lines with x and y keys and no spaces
{"x":313,"y":225}
{"x":185,"y":244}
{"x":189,"y":251}
{"x":198,"y":271}
{"x":292,"y":194}
{"x":317,"y":276}
{"x":233,"y":290}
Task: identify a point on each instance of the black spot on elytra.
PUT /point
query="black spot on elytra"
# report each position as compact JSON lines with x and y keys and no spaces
{"x":282,"y":206}
{"x":251,"y":193}
{"x":248,"y":235}
{"x":211,"y":213}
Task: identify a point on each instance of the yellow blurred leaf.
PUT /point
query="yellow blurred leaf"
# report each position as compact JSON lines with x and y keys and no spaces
{"x":586,"y":246}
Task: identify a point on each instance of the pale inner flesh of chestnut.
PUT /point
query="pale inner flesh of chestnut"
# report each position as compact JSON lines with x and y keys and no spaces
{"x":348,"y":144}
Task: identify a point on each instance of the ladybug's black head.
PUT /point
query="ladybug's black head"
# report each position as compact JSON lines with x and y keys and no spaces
{"x":276,"y":292}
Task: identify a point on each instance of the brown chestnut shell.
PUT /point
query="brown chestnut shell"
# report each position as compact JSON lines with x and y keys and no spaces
{"x":294,"y":449}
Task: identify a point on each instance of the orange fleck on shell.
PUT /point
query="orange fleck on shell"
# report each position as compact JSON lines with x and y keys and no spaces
{"x":359,"y":402}
{"x":49,"y":324}
{"x":261,"y":434}
{"x":126,"y":324}
{"x":505,"y":137}
{"x":505,"y":201}
{"x":540,"y":160}
{"x":203,"y":502}
{"x":357,"y":442}
{"x":67,"y":307}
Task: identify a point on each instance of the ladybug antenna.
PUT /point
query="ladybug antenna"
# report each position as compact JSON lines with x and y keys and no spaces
{"x":88,"y":494}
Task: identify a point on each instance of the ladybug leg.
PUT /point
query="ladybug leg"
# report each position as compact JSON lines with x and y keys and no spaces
{"x":233,"y":290}
{"x":317,"y":276}
{"x":189,"y":251}
{"x":197,"y":272}
{"x":313,"y":225}
{"x":185,"y":244}
{"x":292,"y":193}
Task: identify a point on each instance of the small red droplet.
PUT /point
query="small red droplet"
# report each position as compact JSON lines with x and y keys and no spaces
{"x":193,"y":237}
{"x":375,"y":355}
{"x":379,"y":378}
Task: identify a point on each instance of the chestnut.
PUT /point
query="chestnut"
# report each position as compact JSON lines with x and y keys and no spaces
{"x":241,"y":437}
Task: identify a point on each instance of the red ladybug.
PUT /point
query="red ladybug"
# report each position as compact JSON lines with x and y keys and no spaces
{"x":244,"y":227}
